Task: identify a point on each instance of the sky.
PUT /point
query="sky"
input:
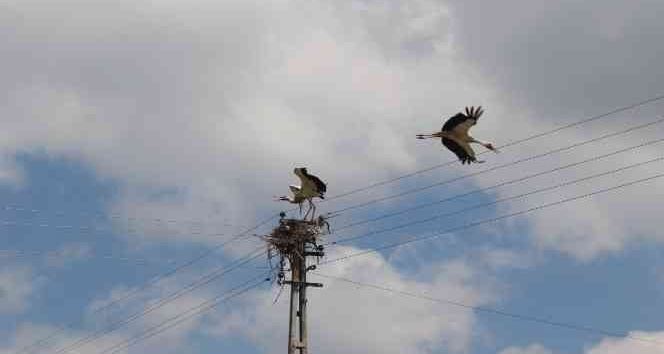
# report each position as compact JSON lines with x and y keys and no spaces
{"x":138,"y":136}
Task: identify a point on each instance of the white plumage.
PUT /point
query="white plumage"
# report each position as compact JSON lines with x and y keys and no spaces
{"x":454,"y":135}
{"x":310,"y":187}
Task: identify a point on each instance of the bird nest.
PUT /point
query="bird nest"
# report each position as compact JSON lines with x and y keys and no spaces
{"x":292,"y":241}
{"x":290,"y":233}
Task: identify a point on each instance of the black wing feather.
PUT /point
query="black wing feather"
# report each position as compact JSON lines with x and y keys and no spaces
{"x":458,"y":150}
{"x":320,"y":185}
{"x":454,"y":121}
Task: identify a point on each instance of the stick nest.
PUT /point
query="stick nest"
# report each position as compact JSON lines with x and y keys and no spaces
{"x":291,"y":232}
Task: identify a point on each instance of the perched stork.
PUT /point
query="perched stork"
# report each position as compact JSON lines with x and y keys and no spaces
{"x":310,"y":187}
{"x":454,"y":135}
{"x":297,"y":197}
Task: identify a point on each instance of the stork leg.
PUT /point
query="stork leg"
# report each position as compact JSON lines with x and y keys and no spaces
{"x":489,"y":146}
{"x":309,"y":209}
{"x":313,"y":207}
{"x":426,"y":136}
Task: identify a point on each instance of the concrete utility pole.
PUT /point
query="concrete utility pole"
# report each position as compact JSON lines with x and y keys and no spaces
{"x":295,"y":240}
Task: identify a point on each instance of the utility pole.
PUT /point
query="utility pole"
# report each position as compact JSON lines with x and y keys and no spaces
{"x":295,"y":240}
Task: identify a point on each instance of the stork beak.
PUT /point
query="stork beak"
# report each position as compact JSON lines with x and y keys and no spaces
{"x":491,"y":147}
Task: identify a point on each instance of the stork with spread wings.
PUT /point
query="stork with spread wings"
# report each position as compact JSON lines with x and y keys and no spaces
{"x":454,"y":135}
{"x":310,"y":187}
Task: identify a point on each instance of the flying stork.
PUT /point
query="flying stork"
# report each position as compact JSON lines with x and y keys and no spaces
{"x":310,"y":187}
{"x":454,"y":135}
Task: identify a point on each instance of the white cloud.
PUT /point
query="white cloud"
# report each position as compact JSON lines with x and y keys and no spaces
{"x":352,"y":319}
{"x":496,"y":258}
{"x":651,"y":344}
{"x":89,"y":340}
{"x":201,"y":109}
{"x":16,"y":287}
{"x":531,"y":349}
{"x":215,"y":110}
{"x":27,"y":335}
{"x":563,"y":59}
{"x":602,"y":224}
{"x":625,"y":345}
{"x":10,"y":174}
{"x":560,"y":63}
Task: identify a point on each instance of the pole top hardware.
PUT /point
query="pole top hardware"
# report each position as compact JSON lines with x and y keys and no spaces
{"x":315,"y":285}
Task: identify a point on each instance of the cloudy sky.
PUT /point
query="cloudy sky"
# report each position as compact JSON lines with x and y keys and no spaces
{"x":139,"y":135}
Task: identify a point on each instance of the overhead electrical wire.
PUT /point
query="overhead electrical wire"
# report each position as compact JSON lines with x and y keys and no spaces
{"x":150,"y":282}
{"x":114,"y":349}
{"x":501,"y":184}
{"x":187,"y":315}
{"x":359,"y":189}
{"x":513,"y":143}
{"x":143,"y":336}
{"x":10,"y":223}
{"x":491,"y":220}
{"x":497,"y":201}
{"x":200,"y":282}
{"x":65,"y":253}
{"x":95,"y":229}
{"x":498,"y":167}
{"x":519,"y":141}
{"x":151,"y":332}
{"x":493,"y":311}
{"x":103,"y":216}
{"x":529,"y":138}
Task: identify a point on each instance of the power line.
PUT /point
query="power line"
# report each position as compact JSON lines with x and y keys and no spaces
{"x":486,"y":221}
{"x":94,"y":229}
{"x":513,"y":143}
{"x":116,"y":216}
{"x":502,"y":184}
{"x":483,"y":309}
{"x":491,"y":169}
{"x":10,"y":253}
{"x":603,"y":137}
{"x":519,"y":142}
{"x":187,"y":315}
{"x":211,"y":251}
{"x":503,"y":146}
{"x":202,"y":281}
{"x":151,"y":282}
{"x":497,"y":201}
{"x":65,"y":253}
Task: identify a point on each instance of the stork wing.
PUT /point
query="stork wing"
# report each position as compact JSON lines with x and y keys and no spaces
{"x":463,"y":151}
{"x":461,"y":129}
{"x":303,"y":181}
{"x":452,"y":122}
{"x":320,"y":185}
